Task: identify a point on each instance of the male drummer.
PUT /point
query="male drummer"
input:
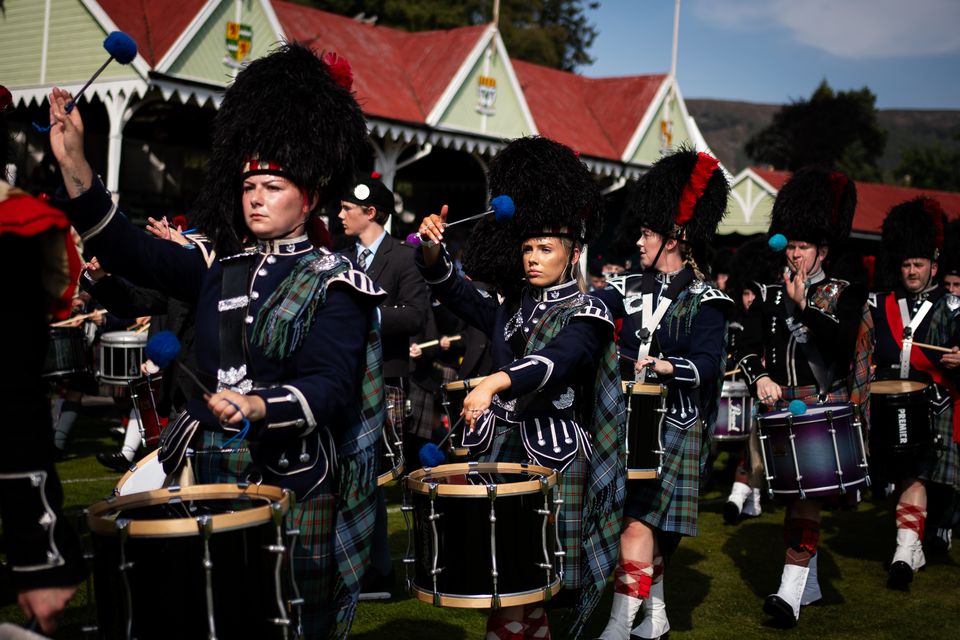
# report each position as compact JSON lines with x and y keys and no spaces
{"x":365,"y":209}
{"x":800,"y":341}
{"x":918,"y":312}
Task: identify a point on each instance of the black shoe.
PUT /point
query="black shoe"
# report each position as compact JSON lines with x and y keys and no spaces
{"x":116,"y":461}
{"x":780,"y":610}
{"x":900,"y":575}
{"x":377,"y":586}
{"x":731,"y":513}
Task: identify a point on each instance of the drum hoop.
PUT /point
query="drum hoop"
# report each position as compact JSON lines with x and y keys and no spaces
{"x":415,"y":484}
{"x":179,"y":527}
{"x":458,"y":601}
{"x":644,"y":389}
{"x":920,"y":387}
{"x":839,"y":411}
{"x":390,"y":476}
{"x":457,"y":385}
{"x":136,"y":466}
{"x":123,"y":339}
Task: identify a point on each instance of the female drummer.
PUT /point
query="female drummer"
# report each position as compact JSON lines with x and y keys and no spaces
{"x":673,"y":333}
{"x":267,"y":303}
{"x":553,"y":356}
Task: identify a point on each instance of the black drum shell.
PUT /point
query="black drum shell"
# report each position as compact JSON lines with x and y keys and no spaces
{"x":645,"y":417}
{"x":168,"y":582}
{"x":901,"y":428}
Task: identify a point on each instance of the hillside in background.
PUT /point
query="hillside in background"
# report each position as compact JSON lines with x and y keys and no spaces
{"x":727,"y":125}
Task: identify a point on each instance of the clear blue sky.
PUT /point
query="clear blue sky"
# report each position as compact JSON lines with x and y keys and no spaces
{"x":906,"y":51}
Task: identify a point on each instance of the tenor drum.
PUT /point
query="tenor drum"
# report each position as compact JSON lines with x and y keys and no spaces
{"x":646,"y":408}
{"x":817,"y":454}
{"x":900,"y":419}
{"x":484,"y":534}
{"x":66,"y":353}
{"x":121,"y":354}
{"x":198,"y":562}
{"x":735,"y":416}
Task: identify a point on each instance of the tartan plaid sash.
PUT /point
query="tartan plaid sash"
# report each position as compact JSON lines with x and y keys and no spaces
{"x":286,"y":317}
{"x":357,"y":483}
{"x":605,"y":488}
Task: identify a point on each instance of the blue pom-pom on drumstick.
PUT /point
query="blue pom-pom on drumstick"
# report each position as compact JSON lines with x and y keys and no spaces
{"x":797,"y":407}
{"x":163,"y":348}
{"x":777,"y":242}
{"x":431,"y":456}
{"x":501,"y":207}
{"x":121,"y":48}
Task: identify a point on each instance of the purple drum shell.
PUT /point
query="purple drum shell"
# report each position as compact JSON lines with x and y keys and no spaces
{"x":816,"y":455}
{"x":735,"y":415}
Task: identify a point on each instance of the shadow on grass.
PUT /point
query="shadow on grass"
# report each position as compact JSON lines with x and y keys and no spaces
{"x":685,"y":588}
{"x":413,"y":628}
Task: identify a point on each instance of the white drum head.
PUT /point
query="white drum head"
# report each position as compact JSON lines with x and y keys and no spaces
{"x":148,"y":476}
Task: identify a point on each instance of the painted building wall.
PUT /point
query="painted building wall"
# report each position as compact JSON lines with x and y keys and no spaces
{"x":203,"y":58}
{"x":648,"y":151}
{"x":74,"y":47}
{"x":506,"y":122}
{"x":749,"y":209}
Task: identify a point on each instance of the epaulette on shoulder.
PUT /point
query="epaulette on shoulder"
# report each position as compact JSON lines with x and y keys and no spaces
{"x":357,"y":280}
{"x":714,"y":295}
{"x":594,"y":308}
{"x":620,"y":282}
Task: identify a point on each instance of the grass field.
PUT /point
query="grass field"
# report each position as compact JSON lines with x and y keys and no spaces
{"x":714,"y":587}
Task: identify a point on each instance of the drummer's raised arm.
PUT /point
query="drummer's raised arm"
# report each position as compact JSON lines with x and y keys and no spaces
{"x":66,"y":142}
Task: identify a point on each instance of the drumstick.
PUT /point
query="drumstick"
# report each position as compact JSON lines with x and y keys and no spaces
{"x":433,"y":343}
{"x":136,"y":326}
{"x":143,"y":327}
{"x":732,"y":373}
{"x":934,"y":347}
{"x":85,"y":316}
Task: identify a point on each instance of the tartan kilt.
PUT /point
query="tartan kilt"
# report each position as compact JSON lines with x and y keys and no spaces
{"x":424,"y":412}
{"x":941,"y":464}
{"x":507,"y":446}
{"x":670,"y":502}
{"x":314,"y":565}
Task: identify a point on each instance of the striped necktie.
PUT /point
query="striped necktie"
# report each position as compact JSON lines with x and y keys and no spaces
{"x":363,"y":257}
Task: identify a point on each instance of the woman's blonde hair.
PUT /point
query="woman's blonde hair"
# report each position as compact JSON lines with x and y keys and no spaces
{"x":575,"y":272}
{"x":686,"y":253}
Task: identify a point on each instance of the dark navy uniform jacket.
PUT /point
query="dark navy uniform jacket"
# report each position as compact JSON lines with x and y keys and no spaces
{"x":694,"y":348}
{"x":302,"y":392}
{"x":775,"y":332}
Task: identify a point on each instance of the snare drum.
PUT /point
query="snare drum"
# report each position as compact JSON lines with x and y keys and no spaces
{"x":485,"y":535}
{"x":143,"y":394}
{"x":121,"y":354}
{"x":817,"y":454}
{"x":66,"y":353}
{"x":735,"y":416}
{"x":216,"y":551}
{"x":646,"y":408}
{"x":900,"y":420}
{"x":452,"y":396}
